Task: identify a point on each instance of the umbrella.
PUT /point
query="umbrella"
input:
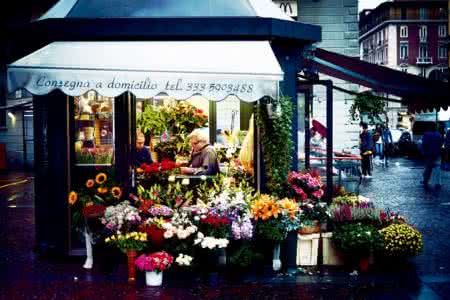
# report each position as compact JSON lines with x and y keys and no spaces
{"x":320,"y":128}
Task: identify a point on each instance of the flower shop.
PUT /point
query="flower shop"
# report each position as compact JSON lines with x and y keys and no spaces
{"x":111,"y":78}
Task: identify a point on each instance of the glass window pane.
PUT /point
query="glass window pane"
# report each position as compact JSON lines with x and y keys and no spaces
{"x":94,"y":129}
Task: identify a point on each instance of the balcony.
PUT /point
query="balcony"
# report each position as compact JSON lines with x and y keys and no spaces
{"x":424,"y":60}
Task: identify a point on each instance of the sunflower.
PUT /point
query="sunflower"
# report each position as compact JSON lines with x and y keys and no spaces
{"x":102,"y":190}
{"x":100,"y":178}
{"x":90,"y":183}
{"x":73,"y":197}
{"x":116,"y":192}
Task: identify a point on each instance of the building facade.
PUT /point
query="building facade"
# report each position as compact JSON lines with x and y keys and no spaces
{"x":339,"y":22}
{"x":408,"y":36}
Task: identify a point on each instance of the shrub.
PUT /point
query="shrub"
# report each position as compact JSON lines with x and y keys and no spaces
{"x":357,"y":239}
{"x":402,"y":240}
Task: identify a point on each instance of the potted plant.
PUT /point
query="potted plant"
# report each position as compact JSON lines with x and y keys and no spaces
{"x":154,"y":266}
{"x":401,"y":241}
{"x":358,"y":241}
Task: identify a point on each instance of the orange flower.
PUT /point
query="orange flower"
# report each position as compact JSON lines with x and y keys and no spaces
{"x":100,"y":178}
{"x":90,"y":183}
{"x":102,"y":190}
{"x":265,"y":208}
{"x":73,"y":197}
{"x":116,"y":192}
{"x":139,"y":170}
{"x":90,"y":203}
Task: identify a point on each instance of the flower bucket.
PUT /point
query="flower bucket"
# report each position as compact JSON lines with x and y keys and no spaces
{"x":153,"y":278}
{"x":131,"y":257}
{"x":276,"y":262}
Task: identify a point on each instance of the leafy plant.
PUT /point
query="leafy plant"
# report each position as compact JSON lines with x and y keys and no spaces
{"x":277,"y":144}
{"x":270,"y":230}
{"x":369,"y":105}
{"x":151,"y":121}
{"x":357,"y":239}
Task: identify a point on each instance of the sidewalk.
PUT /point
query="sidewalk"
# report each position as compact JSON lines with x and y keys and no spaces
{"x":25,"y":276}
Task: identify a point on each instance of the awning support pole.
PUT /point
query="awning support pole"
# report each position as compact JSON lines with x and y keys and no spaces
{"x":329,"y":166}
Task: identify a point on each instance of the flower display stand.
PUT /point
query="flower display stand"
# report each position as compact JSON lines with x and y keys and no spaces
{"x":307,"y":249}
{"x":331,"y":256}
{"x":153,"y":278}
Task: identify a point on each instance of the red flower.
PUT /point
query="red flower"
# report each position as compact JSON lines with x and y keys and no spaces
{"x":145,"y":205}
{"x":94,"y":211}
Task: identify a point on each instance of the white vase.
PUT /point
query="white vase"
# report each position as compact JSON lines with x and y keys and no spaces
{"x":89,"y":256}
{"x":276,"y":262}
{"x":153,"y":278}
{"x":222,"y":258}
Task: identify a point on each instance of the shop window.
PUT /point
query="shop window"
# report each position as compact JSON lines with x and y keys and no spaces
{"x":403,"y":13}
{"x":94,"y":130}
{"x":403,"y":31}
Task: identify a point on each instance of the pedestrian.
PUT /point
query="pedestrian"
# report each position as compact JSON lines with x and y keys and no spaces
{"x":378,"y":142}
{"x":365,"y":147}
{"x":431,"y":150}
{"x":386,"y":137}
{"x":447,"y":151}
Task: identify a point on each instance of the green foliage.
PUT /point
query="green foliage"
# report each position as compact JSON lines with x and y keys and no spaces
{"x":151,"y":120}
{"x":369,"y":105}
{"x":357,"y":239}
{"x":277,"y":145}
{"x":270,"y":230}
{"x":173,"y":194}
{"x":244,"y":255}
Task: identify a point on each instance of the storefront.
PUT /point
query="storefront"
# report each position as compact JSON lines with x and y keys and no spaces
{"x":103,"y":63}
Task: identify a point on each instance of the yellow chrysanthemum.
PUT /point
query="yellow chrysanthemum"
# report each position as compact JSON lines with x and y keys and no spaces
{"x":90,"y":183}
{"x":73,"y":197}
{"x":100,"y":178}
{"x":116,"y":192}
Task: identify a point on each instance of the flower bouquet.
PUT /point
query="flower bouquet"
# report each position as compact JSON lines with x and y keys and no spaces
{"x":305,"y":185}
{"x":154,"y":265}
{"x":121,"y":217}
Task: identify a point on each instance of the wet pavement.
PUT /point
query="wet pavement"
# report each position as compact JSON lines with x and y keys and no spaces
{"x":24,"y":275}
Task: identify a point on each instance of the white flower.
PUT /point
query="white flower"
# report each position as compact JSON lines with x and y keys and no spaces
{"x":172,"y":178}
{"x":185,"y":181}
{"x":167,"y":226}
{"x":203,"y":177}
{"x":200,"y":235}
{"x":202,"y":217}
{"x":168,"y":234}
{"x":192,"y":229}
{"x":197,"y":218}
{"x":182,"y":234}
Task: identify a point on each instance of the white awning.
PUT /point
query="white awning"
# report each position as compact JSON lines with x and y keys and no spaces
{"x":215,"y":70}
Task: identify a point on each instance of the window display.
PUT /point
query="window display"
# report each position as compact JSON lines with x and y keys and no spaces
{"x":94,"y":130}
